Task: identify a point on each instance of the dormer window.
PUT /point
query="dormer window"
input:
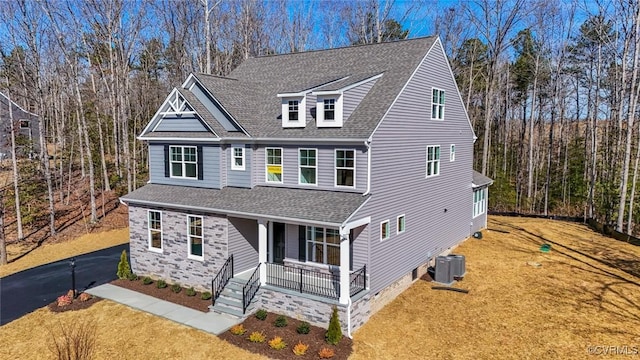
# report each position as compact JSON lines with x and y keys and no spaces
{"x":329,"y":109}
{"x":293,"y":110}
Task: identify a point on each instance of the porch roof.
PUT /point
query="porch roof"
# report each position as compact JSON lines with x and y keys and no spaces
{"x":480,"y":180}
{"x":316,"y":206}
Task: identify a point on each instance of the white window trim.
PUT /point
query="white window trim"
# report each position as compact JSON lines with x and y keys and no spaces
{"x":336,"y":168}
{"x":302,"y":112}
{"x":151,"y":248}
{"x":388,"y":230}
{"x":479,"y":207}
{"x":184,"y":172}
{"x":337,"y":110}
{"x":266,"y":165}
{"x":452,"y":153}
{"x":426,"y":171}
{"x":233,"y":158}
{"x":325,"y":245}
{"x":301,"y":166}
{"x":398,"y":222}
{"x":189,"y":255}
{"x":432,"y":103}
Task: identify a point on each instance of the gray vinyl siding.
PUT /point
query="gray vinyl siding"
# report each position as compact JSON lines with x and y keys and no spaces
{"x":310,"y":104}
{"x":292,"y":243}
{"x":215,"y":110}
{"x":352,"y":98}
{"x":360,"y":248}
{"x":238,"y":178}
{"x":211,"y":168}
{"x":183,"y":123}
{"x":243,"y":243}
{"x":325,"y":171}
{"x":438,"y":209}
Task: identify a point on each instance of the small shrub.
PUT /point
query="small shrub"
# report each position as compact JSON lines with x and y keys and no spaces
{"x":191,"y":292}
{"x":64,"y":300}
{"x":238,"y":329}
{"x":205,"y":295}
{"x":300,"y":349}
{"x":176,"y":288}
{"x":334,"y":333}
{"x":73,"y":340}
{"x":85,"y":297}
{"x":71,"y":294}
{"x":326,"y":353}
{"x":277,"y":343}
{"x":124,"y":270}
{"x":261,"y":314}
{"x":257,"y":337}
{"x":147,"y":280}
{"x":133,"y":277}
{"x":303,"y":328}
{"x":161,"y":284}
{"x":281,"y":321}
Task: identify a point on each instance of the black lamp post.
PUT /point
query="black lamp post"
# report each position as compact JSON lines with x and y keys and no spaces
{"x":72,"y":264}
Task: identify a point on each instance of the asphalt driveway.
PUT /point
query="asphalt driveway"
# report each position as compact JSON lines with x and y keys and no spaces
{"x":28,"y":290}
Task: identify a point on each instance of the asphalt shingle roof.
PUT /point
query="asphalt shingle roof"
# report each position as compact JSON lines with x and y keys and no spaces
{"x":250,"y":92}
{"x":481,"y":180}
{"x":273,"y":202}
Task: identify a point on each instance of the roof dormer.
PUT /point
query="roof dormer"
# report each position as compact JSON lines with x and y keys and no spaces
{"x":329,"y":109}
{"x":294,"y":113}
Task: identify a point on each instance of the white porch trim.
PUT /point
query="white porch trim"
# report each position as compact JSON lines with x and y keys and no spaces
{"x":262,"y":250}
{"x":345,"y":275}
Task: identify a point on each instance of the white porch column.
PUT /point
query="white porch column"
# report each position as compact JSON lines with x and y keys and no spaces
{"x":262,"y":250}
{"x":345,"y":289}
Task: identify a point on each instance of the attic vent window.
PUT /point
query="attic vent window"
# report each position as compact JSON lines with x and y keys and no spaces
{"x":293,"y":110}
{"x":329,"y":109}
{"x":24,"y":124}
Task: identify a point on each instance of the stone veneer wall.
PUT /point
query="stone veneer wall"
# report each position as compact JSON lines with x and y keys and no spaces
{"x":315,"y":310}
{"x":172,"y":264}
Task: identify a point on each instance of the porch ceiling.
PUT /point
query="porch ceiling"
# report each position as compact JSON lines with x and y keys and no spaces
{"x":316,"y":206}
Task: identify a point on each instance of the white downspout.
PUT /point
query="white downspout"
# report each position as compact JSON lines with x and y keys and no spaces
{"x":367,"y":143}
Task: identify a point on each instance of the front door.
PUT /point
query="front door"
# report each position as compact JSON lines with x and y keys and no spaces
{"x":278,"y":242}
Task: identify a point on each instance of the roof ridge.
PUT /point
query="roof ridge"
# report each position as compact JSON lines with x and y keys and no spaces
{"x":342,"y":47}
{"x":216,"y":76}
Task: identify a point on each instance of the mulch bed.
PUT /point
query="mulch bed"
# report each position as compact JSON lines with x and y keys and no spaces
{"x":75,"y":305}
{"x":315,"y":339}
{"x":181,"y":298}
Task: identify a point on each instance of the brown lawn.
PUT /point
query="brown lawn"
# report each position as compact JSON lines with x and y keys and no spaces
{"x":586,"y":291}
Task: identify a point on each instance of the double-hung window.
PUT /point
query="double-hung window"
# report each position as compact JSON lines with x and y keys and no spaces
{"x":479,"y":202}
{"x":308,"y":165}
{"x":274,"y":165}
{"x":155,"y":230}
{"x":323,"y":245}
{"x":400,"y":224}
{"x":437,"y":104}
{"x":329,"y":109}
{"x":385,"y":231}
{"x":184,"y":161}
{"x":194,"y":237}
{"x":345,"y":168}
{"x":293,"y":110}
{"x":237,"y":163}
{"x":433,"y":160}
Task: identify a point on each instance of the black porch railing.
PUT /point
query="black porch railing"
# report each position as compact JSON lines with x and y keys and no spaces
{"x":358,"y":280}
{"x":220,"y":281}
{"x":250,"y":289}
{"x":304,"y":281}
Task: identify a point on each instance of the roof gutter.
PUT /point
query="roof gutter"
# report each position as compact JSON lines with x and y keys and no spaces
{"x":231,"y":212}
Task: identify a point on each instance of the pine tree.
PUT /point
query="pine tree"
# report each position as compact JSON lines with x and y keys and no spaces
{"x":334,"y":333}
{"x":124,"y":271}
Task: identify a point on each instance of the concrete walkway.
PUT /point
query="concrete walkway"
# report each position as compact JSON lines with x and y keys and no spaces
{"x":209,"y":322}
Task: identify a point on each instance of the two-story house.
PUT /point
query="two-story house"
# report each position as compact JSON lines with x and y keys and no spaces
{"x":309,"y":180}
{"x":25,"y":125}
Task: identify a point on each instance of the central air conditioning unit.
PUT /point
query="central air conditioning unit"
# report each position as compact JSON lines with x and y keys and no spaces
{"x":443,"y":273}
{"x":458,"y":267}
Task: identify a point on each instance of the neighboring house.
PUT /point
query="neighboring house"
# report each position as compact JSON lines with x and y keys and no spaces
{"x":26,"y":129}
{"x":330,"y":177}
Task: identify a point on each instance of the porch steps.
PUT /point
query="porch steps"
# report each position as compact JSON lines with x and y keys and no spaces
{"x":230,"y":300}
